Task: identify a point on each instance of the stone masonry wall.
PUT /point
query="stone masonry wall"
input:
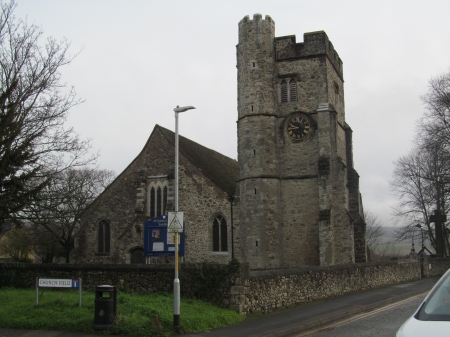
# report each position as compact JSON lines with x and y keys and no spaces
{"x":117,"y":205}
{"x":435,"y":266}
{"x":200,"y":200}
{"x":244,"y":291}
{"x":141,"y":279}
{"x":264,"y":291}
{"x":315,"y":43}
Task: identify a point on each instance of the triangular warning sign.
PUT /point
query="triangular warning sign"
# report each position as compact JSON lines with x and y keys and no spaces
{"x":175,"y":223}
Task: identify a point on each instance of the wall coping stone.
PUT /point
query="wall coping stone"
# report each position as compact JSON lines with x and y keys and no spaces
{"x":254,"y":273}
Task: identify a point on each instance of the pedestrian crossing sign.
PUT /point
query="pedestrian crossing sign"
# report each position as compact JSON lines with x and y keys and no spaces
{"x":175,"y":224}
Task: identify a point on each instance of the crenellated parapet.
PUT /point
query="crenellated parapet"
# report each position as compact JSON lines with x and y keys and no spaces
{"x":248,"y":29}
{"x":315,"y":44}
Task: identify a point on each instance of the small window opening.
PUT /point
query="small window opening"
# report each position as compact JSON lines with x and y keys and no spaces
{"x":293,"y":90}
{"x":254,"y":64}
{"x":252,"y":107}
{"x":256,"y":243}
{"x":254,"y":152}
{"x":284,"y":92}
{"x":255,"y":190}
{"x":336,"y":94}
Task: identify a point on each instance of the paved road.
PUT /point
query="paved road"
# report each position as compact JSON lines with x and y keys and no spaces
{"x":381,"y":322}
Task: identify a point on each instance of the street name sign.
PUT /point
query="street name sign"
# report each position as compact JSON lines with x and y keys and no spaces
{"x":58,"y":283}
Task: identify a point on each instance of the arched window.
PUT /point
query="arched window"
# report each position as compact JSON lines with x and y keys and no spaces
{"x":219,"y":234}
{"x":152,"y":203}
{"x":104,"y":237}
{"x":164,"y":199}
{"x":157,"y":199}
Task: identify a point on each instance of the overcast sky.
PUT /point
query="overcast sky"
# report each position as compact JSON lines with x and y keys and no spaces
{"x":140,"y":59}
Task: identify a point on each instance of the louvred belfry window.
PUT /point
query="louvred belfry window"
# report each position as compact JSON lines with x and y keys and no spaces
{"x":292,"y":90}
{"x":288,"y":90}
{"x":284,"y":92}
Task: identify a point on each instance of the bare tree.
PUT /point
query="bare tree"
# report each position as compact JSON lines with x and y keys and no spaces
{"x":422,"y":178}
{"x":418,"y":185}
{"x":17,"y":244}
{"x":435,"y":125}
{"x":35,"y":143}
{"x":45,"y":244}
{"x":58,"y":208}
{"x":374,"y":229}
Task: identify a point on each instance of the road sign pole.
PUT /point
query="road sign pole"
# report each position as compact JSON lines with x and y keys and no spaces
{"x":176,"y":282}
{"x":176,"y":290}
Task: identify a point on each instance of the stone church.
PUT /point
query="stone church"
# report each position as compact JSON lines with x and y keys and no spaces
{"x":293,"y":193}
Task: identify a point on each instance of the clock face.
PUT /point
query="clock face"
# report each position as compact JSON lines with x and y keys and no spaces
{"x":298,"y":127}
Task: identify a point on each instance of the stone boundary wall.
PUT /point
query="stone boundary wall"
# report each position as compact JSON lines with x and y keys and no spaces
{"x":246,"y":291}
{"x":143,"y":279}
{"x":264,"y":291}
{"x":435,"y":266}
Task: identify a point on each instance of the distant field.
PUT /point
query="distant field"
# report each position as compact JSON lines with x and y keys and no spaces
{"x":398,"y":247}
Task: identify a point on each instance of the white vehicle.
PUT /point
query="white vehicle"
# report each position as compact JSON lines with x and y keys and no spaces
{"x":433,"y":316}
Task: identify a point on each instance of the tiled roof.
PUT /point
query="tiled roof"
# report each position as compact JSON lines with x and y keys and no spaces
{"x":220,"y":169}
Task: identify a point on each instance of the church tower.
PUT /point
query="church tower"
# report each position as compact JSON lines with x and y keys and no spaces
{"x":299,"y":193}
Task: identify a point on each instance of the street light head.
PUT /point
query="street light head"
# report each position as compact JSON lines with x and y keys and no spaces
{"x":183,"y":108}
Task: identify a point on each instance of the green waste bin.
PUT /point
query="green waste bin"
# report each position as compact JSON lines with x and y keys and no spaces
{"x":105,"y":307}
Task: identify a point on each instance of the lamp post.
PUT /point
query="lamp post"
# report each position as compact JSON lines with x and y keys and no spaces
{"x":176,"y":282}
{"x":231,"y":199}
{"x":412,"y":249}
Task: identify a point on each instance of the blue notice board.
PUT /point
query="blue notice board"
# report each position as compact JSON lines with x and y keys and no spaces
{"x":157,"y":242}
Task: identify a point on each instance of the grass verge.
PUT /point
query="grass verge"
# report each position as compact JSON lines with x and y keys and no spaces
{"x":137,"y":315}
